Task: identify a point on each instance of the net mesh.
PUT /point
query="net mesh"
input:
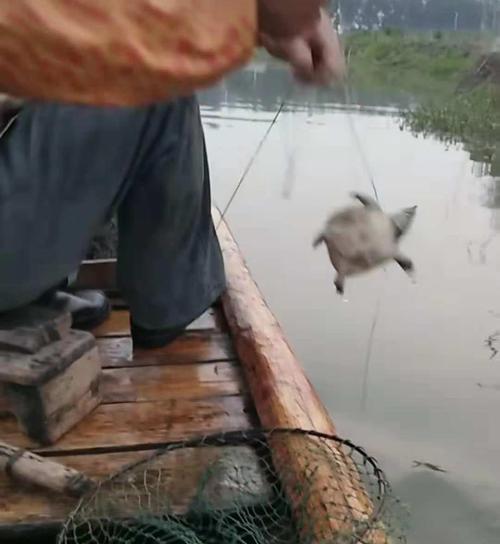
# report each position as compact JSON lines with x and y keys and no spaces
{"x":258,"y":487}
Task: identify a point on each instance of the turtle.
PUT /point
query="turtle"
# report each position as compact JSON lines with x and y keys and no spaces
{"x":360,"y":238}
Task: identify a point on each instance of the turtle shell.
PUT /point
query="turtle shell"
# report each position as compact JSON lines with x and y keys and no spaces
{"x":359,"y":239}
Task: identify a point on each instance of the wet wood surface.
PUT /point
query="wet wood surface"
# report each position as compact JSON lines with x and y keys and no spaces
{"x":192,"y":347}
{"x":119,"y":324}
{"x":141,"y":425}
{"x":155,"y":383}
{"x":192,"y":387}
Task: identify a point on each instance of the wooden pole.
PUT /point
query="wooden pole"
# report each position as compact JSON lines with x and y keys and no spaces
{"x":284,"y":398}
{"x":35,"y":470}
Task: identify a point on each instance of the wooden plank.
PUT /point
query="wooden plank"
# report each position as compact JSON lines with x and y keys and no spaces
{"x":284,"y":398}
{"x":119,"y":325}
{"x":192,"y":347}
{"x":211,"y":320}
{"x":155,"y":383}
{"x":181,"y":471}
{"x":139,"y":425}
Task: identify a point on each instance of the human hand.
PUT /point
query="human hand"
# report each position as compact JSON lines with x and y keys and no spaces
{"x":315,"y":52}
{"x":286,"y":18}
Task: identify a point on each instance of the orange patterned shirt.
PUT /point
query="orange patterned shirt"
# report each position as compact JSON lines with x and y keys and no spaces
{"x":121,"y":52}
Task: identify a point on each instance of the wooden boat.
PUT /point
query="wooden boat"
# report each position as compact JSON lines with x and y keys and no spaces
{"x":231,"y":370}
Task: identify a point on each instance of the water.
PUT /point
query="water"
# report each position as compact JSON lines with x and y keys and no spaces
{"x":404,"y":367}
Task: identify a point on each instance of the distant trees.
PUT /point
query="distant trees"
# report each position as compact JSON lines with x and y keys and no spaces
{"x":420,"y":14}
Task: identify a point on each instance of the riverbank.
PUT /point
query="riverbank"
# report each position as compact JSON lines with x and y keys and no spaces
{"x":425,"y":64}
{"x":430,"y":67}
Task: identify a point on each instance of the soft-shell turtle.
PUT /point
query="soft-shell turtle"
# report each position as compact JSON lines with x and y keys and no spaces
{"x":360,"y":238}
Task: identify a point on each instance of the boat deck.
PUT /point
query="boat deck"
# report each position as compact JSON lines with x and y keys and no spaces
{"x":193,"y":387}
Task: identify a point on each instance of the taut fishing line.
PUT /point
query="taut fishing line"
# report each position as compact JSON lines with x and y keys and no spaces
{"x":254,"y":156}
{"x":354,"y":134}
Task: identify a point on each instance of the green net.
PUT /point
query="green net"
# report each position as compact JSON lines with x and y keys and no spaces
{"x":257,"y":487}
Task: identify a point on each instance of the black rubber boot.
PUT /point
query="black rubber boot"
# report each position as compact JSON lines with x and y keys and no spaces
{"x":88,"y":309}
{"x":154,"y":338}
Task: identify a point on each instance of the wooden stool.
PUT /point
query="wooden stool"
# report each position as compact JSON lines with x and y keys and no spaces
{"x":49,"y":374}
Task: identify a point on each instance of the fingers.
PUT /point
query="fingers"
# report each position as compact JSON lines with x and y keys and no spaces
{"x":274,"y":47}
{"x":301,"y":59}
{"x":296,"y":52}
{"x":316,"y":56}
{"x":287,"y":18}
{"x":328,"y":55}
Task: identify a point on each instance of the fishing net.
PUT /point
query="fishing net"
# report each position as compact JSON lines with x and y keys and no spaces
{"x":257,"y":487}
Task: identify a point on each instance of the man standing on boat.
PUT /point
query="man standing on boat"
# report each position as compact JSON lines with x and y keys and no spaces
{"x":110,"y":125}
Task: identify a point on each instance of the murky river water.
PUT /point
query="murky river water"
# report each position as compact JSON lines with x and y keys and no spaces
{"x":405,"y":368}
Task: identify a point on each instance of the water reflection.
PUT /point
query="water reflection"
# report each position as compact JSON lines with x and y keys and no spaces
{"x":399,"y":365}
{"x":485,"y":156}
{"x":264,"y":86}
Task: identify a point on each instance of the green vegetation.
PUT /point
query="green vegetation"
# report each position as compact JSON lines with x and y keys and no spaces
{"x":423,"y":64}
{"x":429,"y":67}
{"x":425,"y":70}
{"x":469,"y":118}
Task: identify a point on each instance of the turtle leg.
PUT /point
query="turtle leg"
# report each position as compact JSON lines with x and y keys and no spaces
{"x":367,"y":201}
{"x":340,"y":283}
{"x":405,"y":263}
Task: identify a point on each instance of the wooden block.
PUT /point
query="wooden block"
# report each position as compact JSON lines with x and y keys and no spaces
{"x":53,"y":390}
{"x":29,"y":329}
{"x":36,"y":369}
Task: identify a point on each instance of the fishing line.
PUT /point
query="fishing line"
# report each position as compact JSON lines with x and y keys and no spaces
{"x":290,"y":150}
{"x":364,"y":159}
{"x":254,"y":156}
{"x":354,"y":132}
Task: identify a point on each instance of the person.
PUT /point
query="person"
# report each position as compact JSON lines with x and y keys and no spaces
{"x":109,"y":123}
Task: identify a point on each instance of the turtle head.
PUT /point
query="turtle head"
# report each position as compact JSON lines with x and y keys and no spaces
{"x":403,"y":220}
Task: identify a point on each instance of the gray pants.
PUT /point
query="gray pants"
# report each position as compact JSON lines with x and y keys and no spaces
{"x":65,"y":169}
